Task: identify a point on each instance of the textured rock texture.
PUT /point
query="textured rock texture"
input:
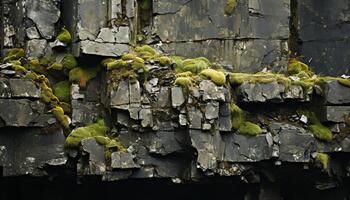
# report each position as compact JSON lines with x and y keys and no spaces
{"x":264,"y":138}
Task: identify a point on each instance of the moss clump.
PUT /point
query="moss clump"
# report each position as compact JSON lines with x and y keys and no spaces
{"x":217,"y":77}
{"x":69,"y":61}
{"x":128,"y":56}
{"x":261,"y":77}
{"x":92,"y":130}
{"x":183,"y":81}
{"x":64,"y":36}
{"x":34,"y":65}
{"x":164,"y":60}
{"x":248,"y":128}
{"x":146,"y":52}
{"x":47,"y":60}
{"x":230,"y":6}
{"x":117,"y":64}
{"x":60,"y":116}
{"x":83,"y":75}
{"x":296,"y":67}
{"x":56,"y":66}
{"x":342,"y":81}
{"x":14,"y":54}
{"x":323,"y":159}
{"x":47,"y":95}
{"x":321,"y":132}
{"x":237,"y":116}
{"x":195,"y":65}
{"x":62,"y":91}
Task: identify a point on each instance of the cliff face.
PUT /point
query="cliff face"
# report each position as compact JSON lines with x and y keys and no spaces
{"x":86,"y":102}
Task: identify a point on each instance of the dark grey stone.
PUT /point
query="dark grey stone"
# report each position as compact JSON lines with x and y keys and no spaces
{"x":295,"y":143}
{"x":27,"y":151}
{"x":164,"y":143}
{"x":18,"y":88}
{"x":335,"y":114}
{"x":123,"y":160}
{"x":84,"y":113}
{"x":135,"y":92}
{"x":120,"y":96}
{"x":96,"y":160}
{"x":209,"y":148}
{"x":211,"y":91}
{"x":225,"y":122}
{"x":146,"y":118}
{"x":23,"y":113}
{"x":241,"y":148}
{"x":102,"y":49}
{"x":164,"y":98}
{"x":260,"y":92}
{"x":335,"y":93}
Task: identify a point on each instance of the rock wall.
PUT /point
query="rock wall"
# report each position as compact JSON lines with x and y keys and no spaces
{"x":266,"y":134}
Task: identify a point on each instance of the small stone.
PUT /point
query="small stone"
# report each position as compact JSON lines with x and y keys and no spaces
{"x":32,"y":33}
{"x":212,"y":110}
{"x":206,"y":126}
{"x":177,"y":96}
{"x":146,"y":118}
{"x":8,"y":72}
{"x":121,"y":96}
{"x":182,"y":120}
{"x":303,"y":119}
{"x":123,"y":160}
{"x":75,"y":94}
{"x":195,"y":118}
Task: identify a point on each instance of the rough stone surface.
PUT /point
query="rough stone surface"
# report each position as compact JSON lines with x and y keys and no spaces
{"x":249,"y":92}
{"x":103,"y":49}
{"x":121,"y":160}
{"x":23,"y":113}
{"x":335,"y":114}
{"x":96,"y":160}
{"x":84,"y":113}
{"x":28,"y":151}
{"x":45,"y":14}
{"x":335,"y":93}
{"x":36,"y":47}
{"x":18,"y":88}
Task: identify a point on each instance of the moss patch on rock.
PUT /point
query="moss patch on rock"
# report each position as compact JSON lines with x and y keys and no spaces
{"x":218,"y":77}
{"x":230,"y":6}
{"x":249,"y":128}
{"x":62,"y":91}
{"x":323,"y":159}
{"x":64,"y":36}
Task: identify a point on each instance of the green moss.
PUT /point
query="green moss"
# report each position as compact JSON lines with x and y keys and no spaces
{"x":183,"y":81}
{"x":14,"y":54}
{"x":177,"y":61}
{"x":261,"y":77}
{"x":323,"y":159}
{"x":56,"y":66}
{"x":69,"y":61}
{"x":342,"y":81}
{"x":117,"y":64}
{"x":230,"y":6}
{"x":296,"y":67}
{"x":248,"y":128}
{"x":34,"y":65}
{"x":62,"y":91}
{"x":164,"y":60}
{"x":60,"y":116}
{"x":47,"y":95}
{"x":128,"y":56}
{"x":64,"y":36}
{"x":195,"y":65}
{"x":217,"y":77}
{"x":83,"y":75}
{"x":146,"y":52}
{"x":237,"y":116}
{"x":321,"y":132}
{"x":47,"y":60}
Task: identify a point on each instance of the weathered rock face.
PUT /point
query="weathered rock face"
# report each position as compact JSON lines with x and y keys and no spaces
{"x":329,"y":35}
{"x":163,"y":130}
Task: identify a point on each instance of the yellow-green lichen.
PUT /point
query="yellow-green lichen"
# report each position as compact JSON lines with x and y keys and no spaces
{"x":230,"y":6}
{"x":249,"y":128}
{"x":261,"y":77}
{"x":219,"y":78}
{"x":146,"y":52}
{"x":195,"y":65}
{"x":64,"y":36}
{"x":62,"y":91}
{"x":117,"y":64}
{"x":296,"y":67}
{"x":323,"y":159}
